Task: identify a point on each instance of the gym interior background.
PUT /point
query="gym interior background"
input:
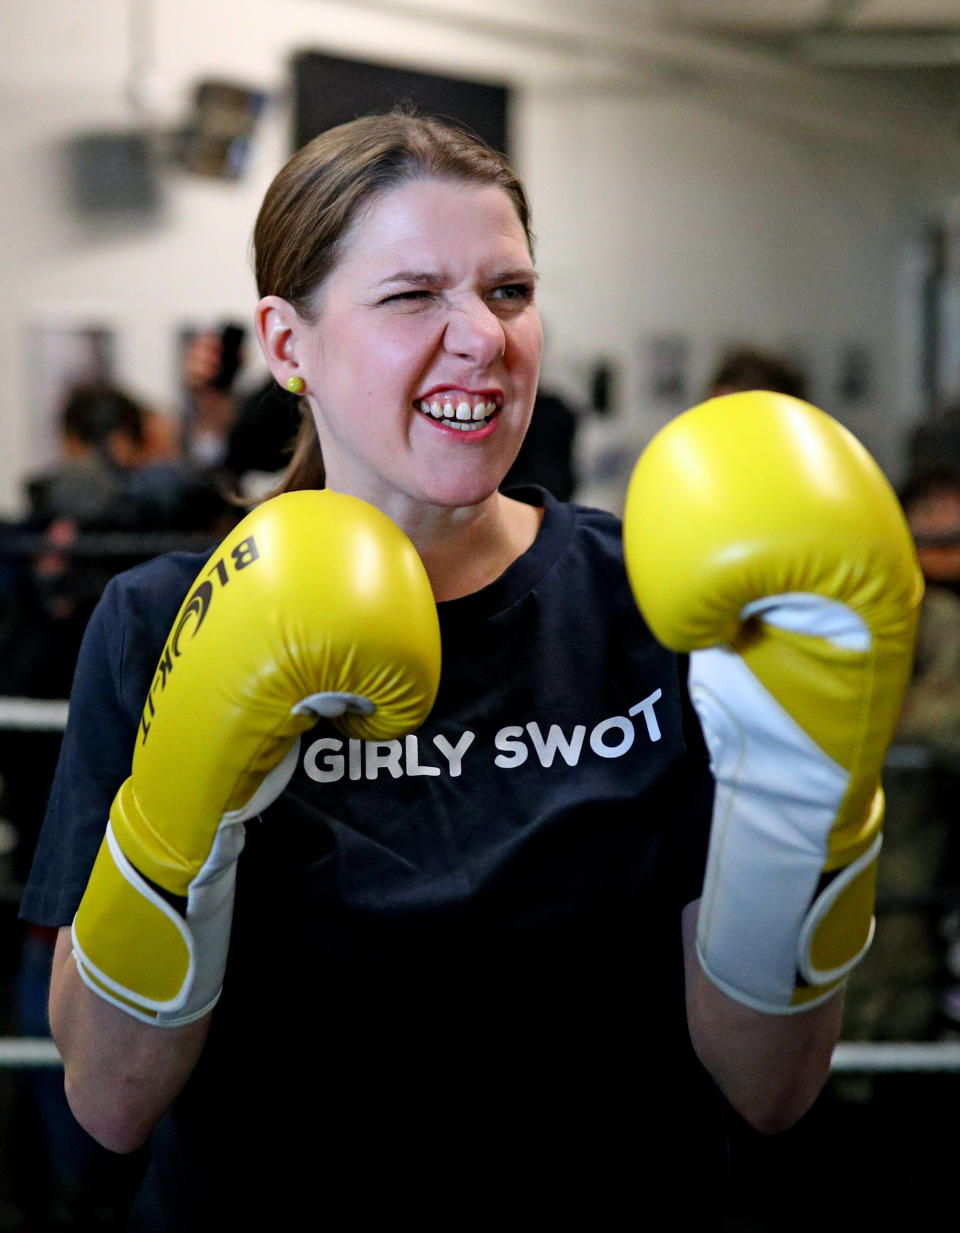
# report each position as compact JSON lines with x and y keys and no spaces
{"x":778,"y":175}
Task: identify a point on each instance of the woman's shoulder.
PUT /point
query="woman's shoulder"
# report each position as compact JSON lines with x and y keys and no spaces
{"x":599,"y":522}
{"x":594,"y":533}
{"x":130,"y":624}
{"x":151,"y":593}
{"x":568,"y":520}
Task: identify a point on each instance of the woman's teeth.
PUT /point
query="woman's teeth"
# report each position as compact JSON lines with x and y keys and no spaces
{"x":462,"y":415}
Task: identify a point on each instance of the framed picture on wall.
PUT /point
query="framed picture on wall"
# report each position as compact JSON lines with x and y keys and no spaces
{"x":61,"y":354}
{"x":218,"y":135}
{"x":329,"y":90}
{"x":667,"y":365}
{"x":854,"y":375}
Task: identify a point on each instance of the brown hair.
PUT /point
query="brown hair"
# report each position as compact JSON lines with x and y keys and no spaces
{"x":748,"y":369}
{"x":315,"y":198}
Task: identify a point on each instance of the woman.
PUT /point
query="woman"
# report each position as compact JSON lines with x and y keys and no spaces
{"x":456,"y":978}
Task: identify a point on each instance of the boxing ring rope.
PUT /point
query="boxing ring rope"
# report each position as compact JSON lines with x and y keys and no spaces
{"x":103,"y":545}
{"x":881,"y":1057}
{"x":28,"y":1053}
{"x":33,"y":714}
{"x":850,"y":1057}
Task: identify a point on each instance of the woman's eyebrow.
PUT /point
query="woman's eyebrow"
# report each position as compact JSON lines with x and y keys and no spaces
{"x":520,"y":273}
{"x":417,"y":278}
{"x":425,"y":278}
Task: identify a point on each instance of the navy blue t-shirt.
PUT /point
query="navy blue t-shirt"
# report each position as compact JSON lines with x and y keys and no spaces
{"x":455,"y":970}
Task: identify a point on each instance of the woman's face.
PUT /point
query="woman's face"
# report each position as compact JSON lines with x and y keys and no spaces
{"x":421,"y":366}
{"x":935,"y":520}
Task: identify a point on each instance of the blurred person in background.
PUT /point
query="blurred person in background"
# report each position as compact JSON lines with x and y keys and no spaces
{"x":247,"y":437}
{"x":931,"y":714}
{"x":106,"y":480}
{"x":905,"y":989}
{"x":931,"y":499}
{"x":546,"y":457}
{"x":117,"y":471}
{"x":749,"y":368}
{"x":211,"y":405}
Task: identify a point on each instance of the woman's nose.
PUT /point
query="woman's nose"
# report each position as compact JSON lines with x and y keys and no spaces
{"x":474,"y":332}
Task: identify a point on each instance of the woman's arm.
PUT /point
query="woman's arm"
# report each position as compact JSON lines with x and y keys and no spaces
{"x":120,"y":1074}
{"x":770,"y":1067}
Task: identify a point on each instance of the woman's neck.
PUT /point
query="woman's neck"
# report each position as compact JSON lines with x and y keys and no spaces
{"x":464,"y":550}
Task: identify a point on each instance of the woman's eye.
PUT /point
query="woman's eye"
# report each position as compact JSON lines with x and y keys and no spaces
{"x":409,"y":297}
{"x":520,"y":293}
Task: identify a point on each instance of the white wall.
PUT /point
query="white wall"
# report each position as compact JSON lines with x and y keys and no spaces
{"x":668,"y":217}
{"x":659,"y":208}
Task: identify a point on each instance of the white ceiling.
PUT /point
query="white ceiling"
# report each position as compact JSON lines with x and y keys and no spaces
{"x":792,"y":16}
{"x":855,"y":34}
{"x":884,"y":72}
{"x":910,"y":48}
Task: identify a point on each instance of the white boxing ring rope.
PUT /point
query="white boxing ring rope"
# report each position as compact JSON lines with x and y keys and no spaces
{"x":28,"y":1053}
{"x":33,"y":714}
{"x":849,"y":1057}
{"x":881,"y":1057}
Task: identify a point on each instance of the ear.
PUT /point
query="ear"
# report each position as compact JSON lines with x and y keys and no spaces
{"x":278,"y":331}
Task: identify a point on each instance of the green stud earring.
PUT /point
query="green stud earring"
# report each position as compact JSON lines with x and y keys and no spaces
{"x":296,"y":385}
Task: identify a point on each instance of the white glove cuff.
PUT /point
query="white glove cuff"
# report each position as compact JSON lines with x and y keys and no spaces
{"x":204,"y":933}
{"x":777,"y":794}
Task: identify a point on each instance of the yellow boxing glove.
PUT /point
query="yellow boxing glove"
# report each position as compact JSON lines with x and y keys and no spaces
{"x":315,"y":604}
{"x":762,"y":538}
